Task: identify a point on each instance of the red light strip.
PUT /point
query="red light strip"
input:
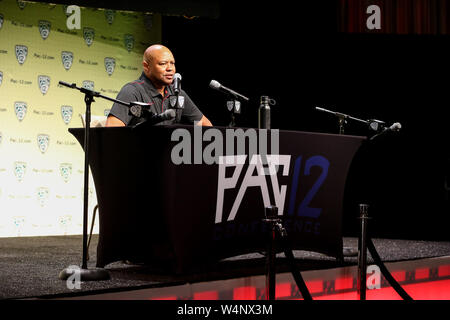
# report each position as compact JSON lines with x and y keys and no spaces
{"x":421,"y":283}
{"x":244,"y":293}
{"x":206,"y":295}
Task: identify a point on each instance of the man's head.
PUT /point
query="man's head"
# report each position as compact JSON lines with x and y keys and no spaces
{"x":159,"y":65}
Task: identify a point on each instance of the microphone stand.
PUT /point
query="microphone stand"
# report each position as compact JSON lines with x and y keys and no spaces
{"x":85,"y":273}
{"x":342,"y":120}
{"x":176,"y":101}
{"x":234,"y":106}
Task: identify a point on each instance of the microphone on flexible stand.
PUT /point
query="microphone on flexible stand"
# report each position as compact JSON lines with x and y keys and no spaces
{"x":176,"y":100}
{"x":395,"y":127}
{"x":233,"y":104}
{"x":169,"y":114}
{"x":138,"y":109}
{"x":217,"y":86}
{"x":153,"y":119}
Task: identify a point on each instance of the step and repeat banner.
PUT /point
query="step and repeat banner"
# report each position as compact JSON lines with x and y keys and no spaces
{"x":41,"y":163}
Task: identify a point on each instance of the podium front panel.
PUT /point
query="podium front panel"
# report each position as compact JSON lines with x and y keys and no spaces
{"x":177,"y":195}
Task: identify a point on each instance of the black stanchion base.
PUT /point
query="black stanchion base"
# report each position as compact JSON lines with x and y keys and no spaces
{"x":349,"y":252}
{"x":96,"y":274}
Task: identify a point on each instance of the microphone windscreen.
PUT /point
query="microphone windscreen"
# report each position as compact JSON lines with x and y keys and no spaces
{"x":214,"y":84}
{"x":177,"y":76}
{"x":169,"y":114}
{"x":142,"y":104}
{"x":396,"y":126}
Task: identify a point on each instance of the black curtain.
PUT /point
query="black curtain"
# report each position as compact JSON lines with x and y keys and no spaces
{"x":397,"y":16}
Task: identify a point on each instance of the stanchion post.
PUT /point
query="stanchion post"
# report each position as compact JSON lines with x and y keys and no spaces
{"x":271,"y":219}
{"x":362,"y":252}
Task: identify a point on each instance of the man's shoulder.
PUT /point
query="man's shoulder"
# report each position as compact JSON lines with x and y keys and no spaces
{"x":133,"y":85}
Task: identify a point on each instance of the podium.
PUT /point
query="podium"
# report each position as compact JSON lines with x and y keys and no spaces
{"x":155,"y":210}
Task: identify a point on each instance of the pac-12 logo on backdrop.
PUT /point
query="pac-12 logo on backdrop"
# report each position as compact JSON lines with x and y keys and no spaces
{"x":21,"y":53}
{"x":110,"y":65}
{"x":44,"y":83}
{"x":44,"y":28}
{"x":66,"y":113}
{"x":148,"y":21}
{"x":67,"y":59}
{"x":128,"y":40}
{"x":88,"y":84}
{"x":110,"y":15}
{"x":88,"y":35}
{"x":20,"y":169}
{"x":42,"y":194}
{"x":43,"y":141}
{"x":65,"y":221}
{"x":21,"y":4}
{"x":20,"y":109}
{"x":65,"y":170}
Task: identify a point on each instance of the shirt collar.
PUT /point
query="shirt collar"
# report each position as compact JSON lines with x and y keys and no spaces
{"x":154,"y":92}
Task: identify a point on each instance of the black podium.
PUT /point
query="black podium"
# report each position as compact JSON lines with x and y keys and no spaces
{"x":190,"y":214}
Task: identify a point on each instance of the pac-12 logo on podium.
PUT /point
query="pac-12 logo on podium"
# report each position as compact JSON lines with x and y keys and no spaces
{"x":265,"y":165}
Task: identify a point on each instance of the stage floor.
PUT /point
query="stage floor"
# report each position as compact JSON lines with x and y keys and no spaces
{"x":30,"y":267}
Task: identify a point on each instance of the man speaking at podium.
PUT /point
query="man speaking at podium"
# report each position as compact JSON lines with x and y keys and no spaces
{"x":155,"y":86}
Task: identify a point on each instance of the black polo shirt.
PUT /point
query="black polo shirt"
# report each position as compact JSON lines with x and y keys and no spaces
{"x":142,"y":90}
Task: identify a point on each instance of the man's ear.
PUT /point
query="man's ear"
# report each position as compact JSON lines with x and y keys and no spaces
{"x":145,"y":66}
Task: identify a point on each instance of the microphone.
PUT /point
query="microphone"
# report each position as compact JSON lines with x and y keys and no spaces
{"x":137,"y":108}
{"x":176,"y":83}
{"x":394,"y":128}
{"x":169,"y":114}
{"x":138,"y":103}
{"x":153,"y":119}
{"x":217,"y":86}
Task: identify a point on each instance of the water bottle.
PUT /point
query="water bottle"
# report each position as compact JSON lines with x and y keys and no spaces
{"x":264,"y":113}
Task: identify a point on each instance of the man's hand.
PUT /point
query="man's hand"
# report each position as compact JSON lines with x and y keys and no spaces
{"x":204,"y":122}
{"x":112,"y":121}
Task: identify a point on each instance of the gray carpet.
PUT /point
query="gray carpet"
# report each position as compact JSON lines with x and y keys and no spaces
{"x":30,"y":265}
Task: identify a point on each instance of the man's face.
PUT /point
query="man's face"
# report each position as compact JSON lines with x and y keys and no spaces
{"x":160,"y":67}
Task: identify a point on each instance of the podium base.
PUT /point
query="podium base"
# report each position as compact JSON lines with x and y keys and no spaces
{"x":96,"y":274}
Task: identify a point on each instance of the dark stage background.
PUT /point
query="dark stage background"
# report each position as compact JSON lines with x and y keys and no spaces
{"x":317,"y":53}
{"x":294,"y":53}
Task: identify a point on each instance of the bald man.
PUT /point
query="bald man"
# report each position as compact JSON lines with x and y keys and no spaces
{"x":154,"y":87}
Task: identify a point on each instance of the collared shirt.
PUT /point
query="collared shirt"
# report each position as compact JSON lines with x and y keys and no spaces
{"x":143,"y":90}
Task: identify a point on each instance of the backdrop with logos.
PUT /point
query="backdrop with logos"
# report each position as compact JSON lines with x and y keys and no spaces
{"x":41,"y":163}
